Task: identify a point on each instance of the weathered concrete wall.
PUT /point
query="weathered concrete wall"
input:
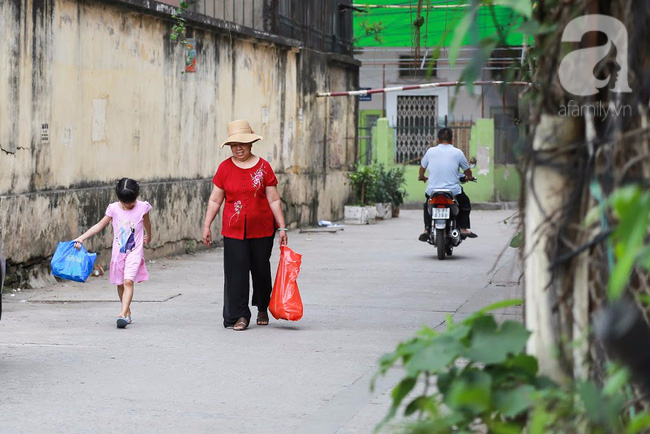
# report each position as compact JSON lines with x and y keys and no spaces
{"x":93,"y":91}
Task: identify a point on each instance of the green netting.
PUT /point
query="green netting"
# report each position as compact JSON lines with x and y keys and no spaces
{"x":439,"y":25}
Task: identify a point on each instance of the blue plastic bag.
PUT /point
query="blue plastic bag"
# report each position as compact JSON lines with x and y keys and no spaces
{"x":72,"y":264}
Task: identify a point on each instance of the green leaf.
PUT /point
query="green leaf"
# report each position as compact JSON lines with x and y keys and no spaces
{"x":633,"y":219}
{"x":599,"y":409}
{"x":441,"y":352}
{"x":422,"y":404}
{"x":492,"y":345}
{"x":406,"y":350}
{"x":518,"y":240}
{"x":533,"y":27}
{"x":426,"y":332}
{"x":474,"y":69}
{"x":644,"y":299}
{"x":461,"y":31}
{"x":623,"y":199}
{"x":445,"y":379}
{"x":471,"y":392}
{"x":402,"y":389}
{"x":639,"y":423}
{"x":616,"y":382}
{"x":458,"y":332}
{"x":482,"y":322}
{"x":514,"y":401}
{"x":593,"y":216}
{"x":449,"y":321}
{"x":633,"y":209}
{"x":501,"y":305}
{"x":539,"y":421}
{"x":524,"y":362}
{"x":522,"y":7}
{"x":501,"y":427}
{"x":619,"y":277}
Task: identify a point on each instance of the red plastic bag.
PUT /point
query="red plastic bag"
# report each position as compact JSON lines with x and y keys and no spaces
{"x":285,"y":299}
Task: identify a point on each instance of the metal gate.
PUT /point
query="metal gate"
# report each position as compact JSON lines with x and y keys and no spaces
{"x":364,"y":135}
{"x":416,"y":127}
{"x":506,"y":137}
{"x":462,"y":134}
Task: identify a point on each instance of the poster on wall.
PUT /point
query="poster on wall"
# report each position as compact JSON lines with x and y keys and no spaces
{"x":190,"y":55}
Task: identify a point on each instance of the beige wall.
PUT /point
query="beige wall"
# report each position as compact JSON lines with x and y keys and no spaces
{"x":107,"y":81}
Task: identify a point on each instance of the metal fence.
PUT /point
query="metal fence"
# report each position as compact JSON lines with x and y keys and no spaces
{"x":412,"y":141}
{"x":462,"y":134}
{"x":364,"y":136}
{"x":249,"y":13}
{"x":323,"y":25}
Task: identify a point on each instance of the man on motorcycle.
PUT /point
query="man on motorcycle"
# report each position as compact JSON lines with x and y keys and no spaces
{"x":442,"y":162}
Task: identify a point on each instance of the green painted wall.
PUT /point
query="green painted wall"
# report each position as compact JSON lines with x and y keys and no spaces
{"x":507,"y":183}
{"x":414,"y":187}
{"x":481,"y":146}
{"x":383,"y":148}
{"x":495,"y":183}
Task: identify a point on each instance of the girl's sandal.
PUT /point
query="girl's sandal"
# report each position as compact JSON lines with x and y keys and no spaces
{"x":262,"y":318}
{"x":241,"y":324}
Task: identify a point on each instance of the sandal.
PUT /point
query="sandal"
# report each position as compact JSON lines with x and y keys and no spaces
{"x":262,"y":318}
{"x":241,"y":324}
{"x":122,"y":322}
{"x":468,"y":234}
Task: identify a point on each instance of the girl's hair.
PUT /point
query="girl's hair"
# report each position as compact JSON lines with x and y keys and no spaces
{"x":127,"y":190}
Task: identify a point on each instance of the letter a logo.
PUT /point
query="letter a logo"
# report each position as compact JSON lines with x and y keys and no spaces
{"x":576,"y":70}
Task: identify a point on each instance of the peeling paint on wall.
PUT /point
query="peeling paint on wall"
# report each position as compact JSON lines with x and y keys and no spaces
{"x":120,"y":107}
{"x":483,"y":160}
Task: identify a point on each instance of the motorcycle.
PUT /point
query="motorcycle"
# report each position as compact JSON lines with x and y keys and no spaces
{"x":445,"y":233}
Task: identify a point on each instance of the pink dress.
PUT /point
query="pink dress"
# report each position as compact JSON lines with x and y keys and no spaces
{"x":127,"y":260}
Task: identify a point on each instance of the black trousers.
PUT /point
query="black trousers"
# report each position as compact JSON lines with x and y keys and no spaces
{"x":464,"y":208}
{"x":242,"y":259}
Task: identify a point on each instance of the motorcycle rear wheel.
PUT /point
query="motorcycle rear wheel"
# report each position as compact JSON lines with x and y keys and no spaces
{"x":440,"y":243}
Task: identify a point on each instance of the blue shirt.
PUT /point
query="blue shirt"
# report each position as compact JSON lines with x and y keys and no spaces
{"x":442,"y":162}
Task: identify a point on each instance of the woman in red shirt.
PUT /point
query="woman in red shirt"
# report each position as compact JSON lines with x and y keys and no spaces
{"x":252,"y":211}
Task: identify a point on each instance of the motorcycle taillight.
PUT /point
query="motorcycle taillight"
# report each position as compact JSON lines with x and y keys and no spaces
{"x":441,"y":200}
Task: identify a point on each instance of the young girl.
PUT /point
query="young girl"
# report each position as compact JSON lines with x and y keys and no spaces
{"x":131,"y":230}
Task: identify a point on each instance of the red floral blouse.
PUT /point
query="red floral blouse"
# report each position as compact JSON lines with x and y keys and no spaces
{"x":246,"y":211}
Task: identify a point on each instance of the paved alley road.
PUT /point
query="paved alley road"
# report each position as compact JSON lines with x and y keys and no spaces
{"x":65,"y":367}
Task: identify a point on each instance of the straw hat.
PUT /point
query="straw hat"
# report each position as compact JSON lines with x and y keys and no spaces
{"x":240,"y":131}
